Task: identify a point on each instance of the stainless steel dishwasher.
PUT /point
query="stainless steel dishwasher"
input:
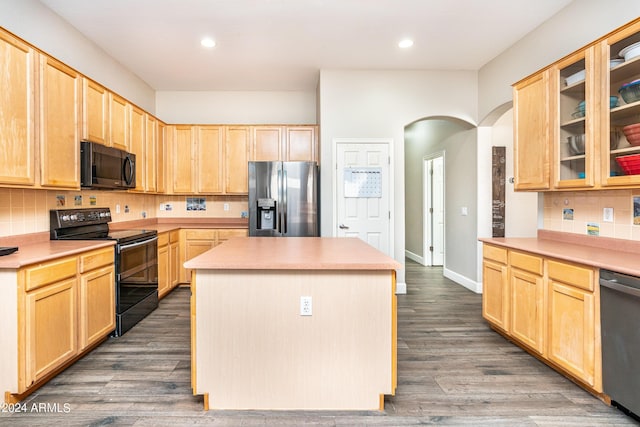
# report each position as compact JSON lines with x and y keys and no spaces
{"x":620,"y":318}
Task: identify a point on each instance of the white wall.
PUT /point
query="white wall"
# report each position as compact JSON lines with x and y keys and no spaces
{"x":41,"y":27}
{"x":461,"y":229}
{"x":521,"y":207}
{"x":237,"y":107}
{"x":379,"y":104}
{"x":578,"y":24}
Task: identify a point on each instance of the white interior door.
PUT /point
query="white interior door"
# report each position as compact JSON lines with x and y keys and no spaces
{"x":433,"y":170}
{"x":438,"y":211}
{"x":363,"y":193}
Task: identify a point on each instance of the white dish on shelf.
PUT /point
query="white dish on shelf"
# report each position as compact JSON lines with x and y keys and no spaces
{"x":615,"y":62}
{"x":575,"y":77}
{"x":630,"y":51}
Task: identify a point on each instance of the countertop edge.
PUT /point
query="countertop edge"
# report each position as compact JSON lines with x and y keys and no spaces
{"x":36,"y":253}
{"x":622,"y":261}
{"x":37,"y":247}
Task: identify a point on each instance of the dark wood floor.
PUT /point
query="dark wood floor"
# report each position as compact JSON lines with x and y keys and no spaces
{"x":452,"y":370}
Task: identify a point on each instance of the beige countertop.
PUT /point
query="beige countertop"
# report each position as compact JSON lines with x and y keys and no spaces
{"x":36,"y":247}
{"x":162,"y":225}
{"x":612,"y":254}
{"x":34,"y":253}
{"x":293,"y":253}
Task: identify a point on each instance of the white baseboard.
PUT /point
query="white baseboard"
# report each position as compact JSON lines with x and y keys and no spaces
{"x":462,"y":280}
{"x":401,"y":288}
{"x":414,"y":257}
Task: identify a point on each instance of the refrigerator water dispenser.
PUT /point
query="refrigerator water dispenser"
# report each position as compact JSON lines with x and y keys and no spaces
{"x":266,"y":214}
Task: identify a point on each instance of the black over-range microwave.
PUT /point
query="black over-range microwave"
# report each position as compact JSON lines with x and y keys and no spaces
{"x":103,"y":167}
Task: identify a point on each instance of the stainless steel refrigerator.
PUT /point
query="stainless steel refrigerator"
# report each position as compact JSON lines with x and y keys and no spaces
{"x":283,"y":199}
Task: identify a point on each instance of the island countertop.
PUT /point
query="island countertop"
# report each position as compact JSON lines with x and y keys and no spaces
{"x":293,"y":253}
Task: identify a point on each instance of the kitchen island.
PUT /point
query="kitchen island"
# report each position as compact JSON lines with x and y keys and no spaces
{"x":293,"y":323}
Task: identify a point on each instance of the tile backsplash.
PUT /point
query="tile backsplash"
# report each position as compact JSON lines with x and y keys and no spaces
{"x":575,"y":212}
{"x":24,"y":211}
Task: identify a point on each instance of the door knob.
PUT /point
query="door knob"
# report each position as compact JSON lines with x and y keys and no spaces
{"x":343,"y":227}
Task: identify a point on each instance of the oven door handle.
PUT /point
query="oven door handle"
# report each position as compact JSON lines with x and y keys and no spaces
{"x":135,"y":245}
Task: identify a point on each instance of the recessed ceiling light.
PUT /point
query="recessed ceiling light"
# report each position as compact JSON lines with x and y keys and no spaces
{"x":208,"y":42}
{"x":405,"y":43}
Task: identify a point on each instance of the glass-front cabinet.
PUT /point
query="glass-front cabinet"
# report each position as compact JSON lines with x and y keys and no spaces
{"x":572,"y":112}
{"x":620,"y":65}
{"x":577,"y":122}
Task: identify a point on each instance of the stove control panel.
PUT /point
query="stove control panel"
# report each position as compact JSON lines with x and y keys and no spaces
{"x":66,"y":218}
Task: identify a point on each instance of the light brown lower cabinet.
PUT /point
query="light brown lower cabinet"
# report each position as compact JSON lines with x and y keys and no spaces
{"x":495,"y":288}
{"x":97,"y":297}
{"x":527,"y":299}
{"x":168,"y":261}
{"x":197,"y":241}
{"x":56,"y":311}
{"x":549,"y":307}
{"x":574,"y":321}
{"x":50,"y":329}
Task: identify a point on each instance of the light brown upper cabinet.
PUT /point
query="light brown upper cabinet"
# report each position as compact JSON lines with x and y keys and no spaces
{"x":573,"y":108}
{"x":118,"y":122}
{"x":570,"y":119}
{"x":137,"y":144}
{"x":196,"y":164}
{"x":267,"y":143}
{"x":301,"y":143}
{"x":209,"y":159}
{"x":95,"y":112}
{"x":181,"y":161}
{"x":161,"y":150}
{"x":531,"y":132}
{"x":286,"y":143}
{"x":616,"y":148}
{"x":17,"y":121}
{"x":150,"y":154}
{"x":60,"y":101}
{"x":237,"y":146}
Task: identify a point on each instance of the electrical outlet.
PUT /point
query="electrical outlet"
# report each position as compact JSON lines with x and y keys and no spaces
{"x":306,"y":307}
{"x":118,"y":209}
{"x":607,"y":214}
{"x":225,"y":206}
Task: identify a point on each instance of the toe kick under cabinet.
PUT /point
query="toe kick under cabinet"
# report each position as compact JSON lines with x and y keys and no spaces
{"x":547,"y":306}
{"x":51,"y":314}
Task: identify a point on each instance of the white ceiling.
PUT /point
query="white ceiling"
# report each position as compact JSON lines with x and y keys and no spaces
{"x":282,"y":44}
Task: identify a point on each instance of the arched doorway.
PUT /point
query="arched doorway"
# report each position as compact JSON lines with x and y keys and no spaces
{"x":426,"y":144}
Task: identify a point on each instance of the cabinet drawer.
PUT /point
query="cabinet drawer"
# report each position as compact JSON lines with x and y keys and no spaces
{"x":571,"y":274}
{"x":95,"y":259}
{"x":495,"y":253}
{"x":163,"y":239}
{"x":50,"y":272}
{"x":200,"y":234}
{"x":174,"y":236}
{"x":227,"y":234}
{"x":526,"y":262}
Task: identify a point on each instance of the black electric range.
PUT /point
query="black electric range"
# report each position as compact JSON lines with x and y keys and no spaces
{"x":135,"y":259}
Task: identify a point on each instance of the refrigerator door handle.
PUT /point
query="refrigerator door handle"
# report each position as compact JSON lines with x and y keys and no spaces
{"x":281,"y":205}
{"x":284,"y":202}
